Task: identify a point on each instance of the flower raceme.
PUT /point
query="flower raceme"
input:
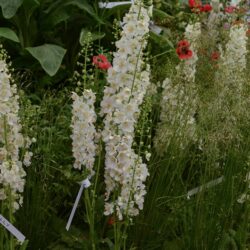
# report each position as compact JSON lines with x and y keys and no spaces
{"x":183,"y":50}
{"x":128,"y":80}
{"x":101,"y":62}
{"x":83,"y":131}
{"x":12,"y":141}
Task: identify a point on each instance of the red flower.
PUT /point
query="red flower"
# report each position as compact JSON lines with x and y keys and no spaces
{"x":215,"y":56}
{"x":101,"y":62}
{"x":197,"y":6}
{"x":111,"y":220}
{"x":248,"y":32}
{"x":206,"y":8}
{"x":183,"y":43}
{"x":230,"y":9}
{"x":183,"y":50}
{"x":194,"y":3}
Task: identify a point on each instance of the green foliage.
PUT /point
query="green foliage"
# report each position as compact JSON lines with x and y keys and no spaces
{"x":50,"y":56}
{"x":59,"y":23}
{"x":9,"y":34}
{"x":60,"y":37}
{"x":10,"y":7}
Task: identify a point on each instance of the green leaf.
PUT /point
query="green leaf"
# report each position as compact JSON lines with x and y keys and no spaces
{"x":161,"y":14}
{"x":24,"y":245}
{"x":161,"y":40}
{"x":56,"y":17}
{"x":94,"y":36}
{"x":81,"y":4}
{"x":30,"y":6}
{"x":10,"y":7}
{"x":117,"y":9}
{"x":50,"y":56}
{"x":9,"y":34}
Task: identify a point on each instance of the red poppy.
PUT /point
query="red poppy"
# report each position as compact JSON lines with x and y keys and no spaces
{"x":230,"y":9}
{"x":206,"y":8}
{"x":183,"y":43}
{"x":183,"y":50}
{"x":215,"y":56}
{"x":101,"y":62}
{"x":184,"y":53}
{"x":194,"y":3}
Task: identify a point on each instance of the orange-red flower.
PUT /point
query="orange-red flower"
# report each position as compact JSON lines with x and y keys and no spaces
{"x":194,"y":4}
{"x":183,"y":43}
{"x":215,"y":55}
{"x":101,"y":62}
{"x":183,"y":50}
{"x":206,"y":8}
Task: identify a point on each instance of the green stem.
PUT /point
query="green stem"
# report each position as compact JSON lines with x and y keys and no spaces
{"x":85,"y":67}
{"x":163,"y":53}
{"x":89,"y":212}
{"x":1,"y":231}
{"x":11,"y":218}
{"x":6,"y":144}
{"x":130,"y":193}
{"x":136,"y":66}
{"x":90,"y":201}
{"x":117,"y":230}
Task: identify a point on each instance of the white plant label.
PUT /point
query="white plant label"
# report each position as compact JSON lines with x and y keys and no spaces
{"x":12,"y":229}
{"x":113,"y":4}
{"x":154,"y":28}
{"x":207,"y":185}
{"x":84,"y":184}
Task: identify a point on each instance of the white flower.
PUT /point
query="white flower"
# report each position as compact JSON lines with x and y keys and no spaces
{"x":83,"y":131}
{"x":12,"y":173}
{"x":128,"y":83}
{"x":179,"y":101}
{"x":234,"y":59}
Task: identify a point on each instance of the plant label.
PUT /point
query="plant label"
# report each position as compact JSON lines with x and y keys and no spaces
{"x":12,"y":229}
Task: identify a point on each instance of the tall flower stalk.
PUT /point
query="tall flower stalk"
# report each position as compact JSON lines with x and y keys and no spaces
{"x":179,"y":99}
{"x":84,"y":135}
{"x":14,"y":152}
{"x":230,"y":80}
{"x":128,"y":80}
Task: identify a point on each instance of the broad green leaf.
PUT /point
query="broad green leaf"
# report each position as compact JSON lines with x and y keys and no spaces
{"x":56,"y":17}
{"x":82,"y":4}
{"x":50,"y":57}
{"x":94,"y":36}
{"x":10,"y":7}
{"x":9,"y":34}
{"x":118,"y":9}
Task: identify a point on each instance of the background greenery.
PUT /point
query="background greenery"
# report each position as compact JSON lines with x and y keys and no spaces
{"x":43,"y":38}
